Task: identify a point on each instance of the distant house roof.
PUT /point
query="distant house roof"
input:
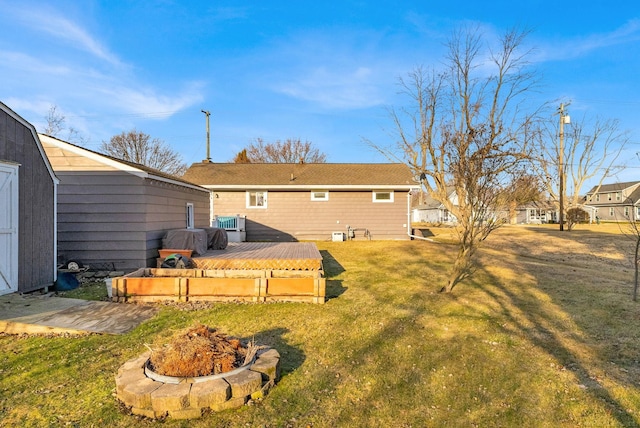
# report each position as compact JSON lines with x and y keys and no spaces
{"x":613,"y":187}
{"x":540,"y":205}
{"x":301,"y":175}
{"x":431,"y":203}
{"x":110,"y":161}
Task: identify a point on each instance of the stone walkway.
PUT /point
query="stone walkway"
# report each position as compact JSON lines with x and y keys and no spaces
{"x":47,"y":313}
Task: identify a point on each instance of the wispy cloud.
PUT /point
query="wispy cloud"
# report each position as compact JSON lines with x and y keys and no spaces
{"x":83,"y":86}
{"x":345,"y":87}
{"x":50,"y":21}
{"x":147,"y":102}
{"x":334,"y":70}
{"x":581,"y":46}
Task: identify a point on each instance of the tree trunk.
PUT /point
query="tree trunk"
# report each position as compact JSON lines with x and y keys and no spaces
{"x":635,"y":263}
{"x":460,"y":270}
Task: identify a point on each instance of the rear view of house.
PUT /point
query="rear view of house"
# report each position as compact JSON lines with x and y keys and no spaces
{"x":614,"y":202}
{"x":290,"y":202}
{"x":114,"y":213}
{"x":27,"y":208}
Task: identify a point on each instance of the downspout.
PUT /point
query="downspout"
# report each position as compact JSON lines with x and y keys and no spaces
{"x":409,"y":222}
{"x":211,"y":207}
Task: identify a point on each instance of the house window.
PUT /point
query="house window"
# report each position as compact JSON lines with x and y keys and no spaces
{"x":598,"y":197}
{"x":610,"y":211}
{"x":256,"y":199}
{"x":626,"y":212}
{"x":609,"y":196}
{"x":190,"y":216}
{"x":382,"y":196}
{"x":637,"y":212}
{"x":319,"y":195}
{"x":618,"y":196}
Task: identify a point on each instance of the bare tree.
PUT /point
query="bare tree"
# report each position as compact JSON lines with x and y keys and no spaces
{"x":287,"y":151}
{"x":524,"y":188}
{"x":633,"y":232}
{"x":590,"y":151}
{"x":466,"y":128}
{"x":138,"y":147}
{"x":56,"y":125}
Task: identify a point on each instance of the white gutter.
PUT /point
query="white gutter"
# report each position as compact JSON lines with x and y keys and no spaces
{"x":409,"y":222}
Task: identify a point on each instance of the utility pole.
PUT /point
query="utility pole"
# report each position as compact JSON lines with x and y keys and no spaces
{"x":207,"y":113}
{"x":563,"y":119}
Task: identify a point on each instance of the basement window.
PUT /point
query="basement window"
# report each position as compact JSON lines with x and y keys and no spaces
{"x":319,"y":195}
{"x":382,"y":196}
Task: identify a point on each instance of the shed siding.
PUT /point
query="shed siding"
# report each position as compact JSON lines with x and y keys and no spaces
{"x":117,"y":219}
{"x":292,"y":215}
{"x":36,"y":245}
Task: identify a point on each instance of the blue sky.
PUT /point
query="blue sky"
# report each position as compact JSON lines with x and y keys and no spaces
{"x":323,"y":71}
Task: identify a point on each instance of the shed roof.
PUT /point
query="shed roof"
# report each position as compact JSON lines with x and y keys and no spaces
{"x":301,"y":175}
{"x":93,"y":161}
{"x":37,"y":141}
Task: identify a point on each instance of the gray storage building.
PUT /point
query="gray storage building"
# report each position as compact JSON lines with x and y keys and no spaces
{"x":112,"y":214}
{"x":27,"y":208}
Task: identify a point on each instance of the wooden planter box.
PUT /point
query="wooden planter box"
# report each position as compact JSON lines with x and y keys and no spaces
{"x":165,"y":252}
{"x":152,"y":285}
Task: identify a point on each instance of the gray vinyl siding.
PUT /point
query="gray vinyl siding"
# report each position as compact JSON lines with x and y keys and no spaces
{"x":603,"y":212}
{"x":36,"y":243}
{"x":292,"y":215}
{"x":117,"y":220}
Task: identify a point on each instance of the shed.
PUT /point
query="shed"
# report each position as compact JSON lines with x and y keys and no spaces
{"x":113,"y":214}
{"x":27,"y":208}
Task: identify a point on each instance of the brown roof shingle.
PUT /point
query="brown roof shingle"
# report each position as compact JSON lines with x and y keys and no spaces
{"x":300,"y":174}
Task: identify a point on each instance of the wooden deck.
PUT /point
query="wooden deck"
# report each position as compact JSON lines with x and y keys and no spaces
{"x":262,"y":256}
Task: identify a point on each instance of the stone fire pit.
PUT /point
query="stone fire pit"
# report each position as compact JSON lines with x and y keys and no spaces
{"x":156,"y":396}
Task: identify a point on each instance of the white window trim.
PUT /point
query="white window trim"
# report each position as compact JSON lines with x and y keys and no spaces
{"x":374,"y":195}
{"x":257,"y":207}
{"x":315,"y":198}
{"x":190,"y":216}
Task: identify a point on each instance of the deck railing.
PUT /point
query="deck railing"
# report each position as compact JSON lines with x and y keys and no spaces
{"x":236,"y":223}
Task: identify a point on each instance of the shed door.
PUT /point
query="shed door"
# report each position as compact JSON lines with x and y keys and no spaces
{"x":8,"y":228}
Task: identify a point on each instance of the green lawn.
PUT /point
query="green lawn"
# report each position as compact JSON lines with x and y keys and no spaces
{"x":531,"y":339}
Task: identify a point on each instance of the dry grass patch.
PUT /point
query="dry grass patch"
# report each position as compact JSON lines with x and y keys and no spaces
{"x":544,"y":334}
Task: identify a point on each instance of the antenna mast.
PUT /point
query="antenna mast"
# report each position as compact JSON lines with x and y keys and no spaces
{"x":207,"y":113}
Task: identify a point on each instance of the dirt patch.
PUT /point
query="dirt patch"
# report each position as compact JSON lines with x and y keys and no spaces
{"x":199,"y":351}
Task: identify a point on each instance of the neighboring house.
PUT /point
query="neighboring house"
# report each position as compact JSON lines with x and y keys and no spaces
{"x":614,"y":202}
{"x":537,"y":212}
{"x":113,"y":214}
{"x":289,"y":202}
{"x":433,"y":211}
{"x":27,"y":208}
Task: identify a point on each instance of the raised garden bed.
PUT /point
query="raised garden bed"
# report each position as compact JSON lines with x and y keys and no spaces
{"x":153,"y":285}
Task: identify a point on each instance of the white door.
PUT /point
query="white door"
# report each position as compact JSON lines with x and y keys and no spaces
{"x":8,"y":228}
